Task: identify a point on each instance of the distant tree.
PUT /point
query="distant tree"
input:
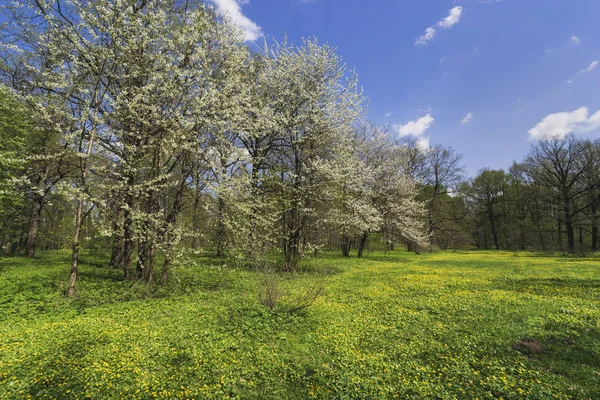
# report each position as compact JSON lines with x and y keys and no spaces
{"x":487,"y":193}
{"x":441,"y":173}
{"x":519,"y":201}
{"x":591,"y":181}
{"x":559,"y":165}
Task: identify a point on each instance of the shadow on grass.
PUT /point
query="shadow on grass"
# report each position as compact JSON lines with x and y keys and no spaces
{"x":547,"y":285}
{"x":573,"y":353}
{"x":389,"y":258}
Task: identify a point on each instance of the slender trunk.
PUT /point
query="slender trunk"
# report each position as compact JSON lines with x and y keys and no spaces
{"x":559,"y":232}
{"x":430,"y":215}
{"x":75,"y":248}
{"x":141,"y":259}
{"x":292,"y":254}
{"x":361,"y":244}
{"x":570,"y":229}
{"x":594,"y":227}
{"x":149,"y":270}
{"x":292,"y":241}
{"x":128,"y":232}
{"x":494,"y":229}
{"x":79,"y":216}
{"x":346,"y":245}
{"x":195,"y":221}
{"x":253,"y":209}
{"x":165,"y":269}
{"x":169,"y":237}
{"x":34,"y":222}
{"x":116,"y":255}
{"x":221,"y":229}
{"x":485,"y":238}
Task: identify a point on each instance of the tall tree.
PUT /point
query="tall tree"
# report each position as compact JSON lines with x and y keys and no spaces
{"x":559,"y":165}
{"x":487,"y":191}
{"x":314,"y":106}
{"x":442,"y":171}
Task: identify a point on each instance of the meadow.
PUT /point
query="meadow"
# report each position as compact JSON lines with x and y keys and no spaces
{"x":448,"y":325}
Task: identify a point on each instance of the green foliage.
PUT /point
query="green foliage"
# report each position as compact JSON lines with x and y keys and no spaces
{"x":15,"y":127}
{"x":445,"y":325}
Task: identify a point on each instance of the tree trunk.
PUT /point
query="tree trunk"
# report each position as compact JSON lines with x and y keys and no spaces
{"x":495,"y":234}
{"x":79,"y":216}
{"x":253,"y":209}
{"x":346,"y":245}
{"x":292,"y":253}
{"x":361,"y":244}
{"x":34,"y":223}
{"x":169,"y":238}
{"x":75,"y":248}
{"x":594,"y":228}
{"x":116,"y":255}
{"x":522,"y":235}
{"x":195,"y":221}
{"x":149,"y":269}
{"x":560,"y":240}
{"x":141,"y":259}
{"x":127,"y":237}
{"x":570,"y":229}
{"x":221,"y":229}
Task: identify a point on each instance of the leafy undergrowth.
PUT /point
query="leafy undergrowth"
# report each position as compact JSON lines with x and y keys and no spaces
{"x":445,"y":325}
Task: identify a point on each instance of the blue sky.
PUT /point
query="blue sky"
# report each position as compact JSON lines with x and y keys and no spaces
{"x":506,"y":62}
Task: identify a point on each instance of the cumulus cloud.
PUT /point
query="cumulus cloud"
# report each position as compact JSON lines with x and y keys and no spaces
{"x":584,"y":71}
{"x":558,"y":125}
{"x":233,"y":9}
{"x":575,"y":40}
{"x":452,"y":19}
{"x":423,"y":143}
{"x":467,"y":118}
{"x":416,"y":127}
{"x":387,"y":114}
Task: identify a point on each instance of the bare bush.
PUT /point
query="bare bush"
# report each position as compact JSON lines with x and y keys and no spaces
{"x":271,"y":292}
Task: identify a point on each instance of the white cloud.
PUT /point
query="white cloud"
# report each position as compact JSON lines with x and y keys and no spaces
{"x":584,"y":71}
{"x":452,"y":19}
{"x":575,"y":40}
{"x":416,"y":127}
{"x":560,"y":124}
{"x":387,"y":114}
{"x":429,"y":34}
{"x":232,"y":9}
{"x":423,"y":143}
{"x":591,"y":67}
{"x":467,"y":118}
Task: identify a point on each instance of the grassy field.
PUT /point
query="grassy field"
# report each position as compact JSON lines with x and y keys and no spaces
{"x":445,"y":325}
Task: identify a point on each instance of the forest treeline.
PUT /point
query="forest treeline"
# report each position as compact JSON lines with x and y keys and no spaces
{"x":148,"y":129}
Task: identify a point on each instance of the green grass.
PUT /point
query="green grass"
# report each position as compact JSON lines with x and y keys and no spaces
{"x":443,"y":325}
